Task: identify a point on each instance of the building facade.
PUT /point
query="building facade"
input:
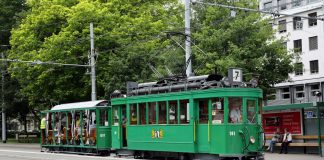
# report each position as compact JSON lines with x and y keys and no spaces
{"x":305,"y":38}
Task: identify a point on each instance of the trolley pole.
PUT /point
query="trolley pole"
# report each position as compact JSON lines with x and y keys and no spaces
{"x":93,"y":67}
{"x":4,"y":138}
{"x":188,"y":38}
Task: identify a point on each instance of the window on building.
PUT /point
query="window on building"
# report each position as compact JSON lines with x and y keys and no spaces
{"x":152,"y":112}
{"x":314,"y":66}
{"x":267,"y":6}
{"x":312,"y":22}
{"x":299,"y":90}
{"x":298,"y":47}
{"x":217,"y":110}
{"x":296,"y":3}
{"x":272,"y":95}
{"x":282,"y":4}
{"x":315,"y":87}
{"x":282,"y":26}
{"x":299,"y":69}
{"x":285,"y":45}
{"x":285,"y":93}
{"x":313,"y":43}
{"x":297,"y":23}
{"x":173,"y":112}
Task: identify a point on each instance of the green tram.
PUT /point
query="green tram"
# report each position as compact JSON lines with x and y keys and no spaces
{"x":82,"y":127}
{"x":202,"y":117}
{"x":212,"y":119}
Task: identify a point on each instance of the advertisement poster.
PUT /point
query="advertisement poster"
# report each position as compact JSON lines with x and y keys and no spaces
{"x":290,"y":120}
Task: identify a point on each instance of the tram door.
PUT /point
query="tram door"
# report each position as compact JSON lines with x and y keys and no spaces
{"x":119,"y":127}
{"x":202,"y":107}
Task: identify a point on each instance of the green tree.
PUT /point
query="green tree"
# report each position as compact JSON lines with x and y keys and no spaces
{"x":246,"y":41}
{"x":129,"y":35}
{"x":10,"y":14}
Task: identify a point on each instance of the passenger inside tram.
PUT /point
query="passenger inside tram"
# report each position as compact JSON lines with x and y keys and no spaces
{"x":235,"y":107}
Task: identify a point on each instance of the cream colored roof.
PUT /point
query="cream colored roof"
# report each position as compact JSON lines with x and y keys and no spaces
{"x":79,"y":105}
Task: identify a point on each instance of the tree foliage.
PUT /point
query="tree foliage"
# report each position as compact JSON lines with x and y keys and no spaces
{"x":14,"y":102}
{"x":128,"y":37}
{"x":246,"y":41}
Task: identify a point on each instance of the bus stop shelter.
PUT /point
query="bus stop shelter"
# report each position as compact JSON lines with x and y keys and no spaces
{"x":303,"y":120}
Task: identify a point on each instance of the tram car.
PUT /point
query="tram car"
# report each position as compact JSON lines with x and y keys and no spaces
{"x":203,"y":117}
{"x":82,"y":127}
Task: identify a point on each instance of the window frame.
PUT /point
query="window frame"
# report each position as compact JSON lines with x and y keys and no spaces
{"x":312,"y":22}
{"x":297,"y":20}
{"x":312,"y":64}
{"x":283,"y":93}
{"x":282,"y":26}
{"x":298,"y":45}
{"x":313,"y":43}
{"x":299,"y":69}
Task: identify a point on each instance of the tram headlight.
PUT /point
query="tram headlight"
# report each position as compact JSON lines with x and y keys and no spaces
{"x":252,"y":139}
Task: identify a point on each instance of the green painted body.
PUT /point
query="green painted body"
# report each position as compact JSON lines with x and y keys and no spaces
{"x":225,"y":139}
{"x":103,"y":133}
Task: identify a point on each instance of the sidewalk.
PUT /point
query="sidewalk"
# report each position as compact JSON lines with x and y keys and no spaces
{"x":277,"y":156}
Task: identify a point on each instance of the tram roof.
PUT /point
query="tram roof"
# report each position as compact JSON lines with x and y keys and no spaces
{"x":80,"y":105}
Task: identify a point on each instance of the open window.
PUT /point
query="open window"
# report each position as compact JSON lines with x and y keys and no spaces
{"x":142,"y":113}
{"x":203,"y":111}
{"x":133,"y":114}
{"x":162,"y":112}
{"x":152,"y":112}
{"x":235,"y":110}
{"x":217,"y":110}
{"x":184,"y":111}
{"x":173,"y":112}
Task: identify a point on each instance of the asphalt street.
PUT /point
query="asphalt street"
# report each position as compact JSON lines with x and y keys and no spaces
{"x":32,"y":152}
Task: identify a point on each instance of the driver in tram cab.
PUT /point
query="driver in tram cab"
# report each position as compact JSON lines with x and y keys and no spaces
{"x":236,"y":113}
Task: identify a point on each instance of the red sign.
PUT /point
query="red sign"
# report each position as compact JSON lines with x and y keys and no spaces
{"x":290,"y":120}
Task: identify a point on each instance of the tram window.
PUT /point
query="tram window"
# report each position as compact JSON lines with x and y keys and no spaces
{"x":104,"y":117}
{"x":152,"y":113}
{"x":251,"y":111}
{"x":235,"y":110}
{"x":184,"y":111}
{"x":162,"y":112}
{"x":49,"y":121}
{"x":116,"y":116}
{"x":217,"y":110}
{"x":142,"y":113}
{"x":203,"y":112}
{"x":133,"y":114}
{"x":173,"y":112}
{"x":260,"y":106}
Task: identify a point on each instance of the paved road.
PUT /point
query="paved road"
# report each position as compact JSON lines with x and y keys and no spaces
{"x":32,"y":152}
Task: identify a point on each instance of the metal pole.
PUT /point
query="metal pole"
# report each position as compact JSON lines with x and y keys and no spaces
{"x":319,"y":129}
{"x":4,"y":138}
{"x":188,"y":39}
{"x":93,"y":67}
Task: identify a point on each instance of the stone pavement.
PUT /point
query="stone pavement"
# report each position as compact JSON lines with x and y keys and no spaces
{"x":277,"y":156}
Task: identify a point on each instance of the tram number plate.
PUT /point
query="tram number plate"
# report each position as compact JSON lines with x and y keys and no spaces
{"x":102,"y":135}
{"x":232,"y":133}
